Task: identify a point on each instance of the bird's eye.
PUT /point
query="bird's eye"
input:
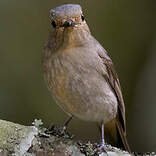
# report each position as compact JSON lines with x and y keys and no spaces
{"x":82,"y":17}
{"x":53,"y":24}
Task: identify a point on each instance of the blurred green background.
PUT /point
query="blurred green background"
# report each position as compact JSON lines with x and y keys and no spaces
{"x":127,"y":30}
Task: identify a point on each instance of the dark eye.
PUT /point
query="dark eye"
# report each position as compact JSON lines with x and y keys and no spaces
{"x":53,"y":24}
{"x":82,"y":17}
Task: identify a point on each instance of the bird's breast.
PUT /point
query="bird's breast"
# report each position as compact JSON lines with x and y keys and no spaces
{"x":79,"y":88}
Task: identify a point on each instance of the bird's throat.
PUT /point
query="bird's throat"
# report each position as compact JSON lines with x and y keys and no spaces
{"x":71,"y":37}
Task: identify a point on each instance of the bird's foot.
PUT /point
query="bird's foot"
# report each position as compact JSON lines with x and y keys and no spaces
{"x":59,"y":131}
{"x":102,"y":148}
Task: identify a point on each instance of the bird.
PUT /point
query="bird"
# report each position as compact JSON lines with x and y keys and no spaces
{"x":81,"y":77}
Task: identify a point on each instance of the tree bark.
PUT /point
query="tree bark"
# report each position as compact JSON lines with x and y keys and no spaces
{"x":36,"y":140}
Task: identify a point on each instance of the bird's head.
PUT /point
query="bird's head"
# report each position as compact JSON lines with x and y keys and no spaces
{"x":68,"y":16}
{"x":69,"y":26}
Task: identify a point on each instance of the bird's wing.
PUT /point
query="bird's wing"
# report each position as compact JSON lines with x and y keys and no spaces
{"x":113,"y":80}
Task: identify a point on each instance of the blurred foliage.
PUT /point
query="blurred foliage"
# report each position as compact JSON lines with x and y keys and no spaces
{"x":127,"y":30}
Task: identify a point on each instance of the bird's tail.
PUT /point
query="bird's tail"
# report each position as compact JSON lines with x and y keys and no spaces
{"x":115,"y":135}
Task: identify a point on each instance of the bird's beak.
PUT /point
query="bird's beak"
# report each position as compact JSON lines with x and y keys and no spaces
{"x":68,"y":23}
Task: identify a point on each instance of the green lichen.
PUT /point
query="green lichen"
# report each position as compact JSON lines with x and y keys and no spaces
{"x":16,"y":138}
{"x":37,"y":123}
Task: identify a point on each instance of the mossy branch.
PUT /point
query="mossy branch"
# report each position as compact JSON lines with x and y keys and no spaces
{"x":33,"y":140}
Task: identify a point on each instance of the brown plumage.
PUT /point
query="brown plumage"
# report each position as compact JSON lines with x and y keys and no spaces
{"x":115,"y":130}
{"x":80,"y":75}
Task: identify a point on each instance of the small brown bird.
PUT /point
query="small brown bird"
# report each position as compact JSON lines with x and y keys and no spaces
{"x":81,"y":77}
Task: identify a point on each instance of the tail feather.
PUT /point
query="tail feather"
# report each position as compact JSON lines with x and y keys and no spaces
{"x":122,"y":136}
{"x":115,"y":135}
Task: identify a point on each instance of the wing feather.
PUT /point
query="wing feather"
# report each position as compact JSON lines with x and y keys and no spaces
{"x":113,"y":80}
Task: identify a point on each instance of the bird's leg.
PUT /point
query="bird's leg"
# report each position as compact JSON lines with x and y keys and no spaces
{"x":60,"y":131}
{"x":102,"y":135}
{"x":102,"y":144}
{"x":64,"y":127}
{"x":67,"y":122}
